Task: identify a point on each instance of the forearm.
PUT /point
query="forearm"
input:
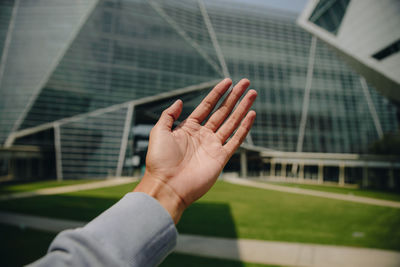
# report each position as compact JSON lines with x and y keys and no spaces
{"x":136,"y":231}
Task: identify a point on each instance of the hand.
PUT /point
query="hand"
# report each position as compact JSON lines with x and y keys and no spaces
{"x":183,"y":164}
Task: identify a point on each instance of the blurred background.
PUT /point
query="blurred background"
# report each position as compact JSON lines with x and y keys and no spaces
{"x":82,"y":82}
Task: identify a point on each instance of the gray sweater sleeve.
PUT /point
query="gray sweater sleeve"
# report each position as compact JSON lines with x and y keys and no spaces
{"x":136,"y":231}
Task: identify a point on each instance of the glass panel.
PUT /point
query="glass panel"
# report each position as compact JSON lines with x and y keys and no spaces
{"x":89,"y":148}
{"x":328,"y":14}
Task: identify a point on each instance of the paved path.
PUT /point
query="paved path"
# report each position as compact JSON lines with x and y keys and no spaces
{"x":256,"y":251}
{"x":69,"y":188}
{"x":351,"y":198}
{"x":285,"y":253}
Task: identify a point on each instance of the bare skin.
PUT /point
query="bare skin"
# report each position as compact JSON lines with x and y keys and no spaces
{"x":183,"y":164}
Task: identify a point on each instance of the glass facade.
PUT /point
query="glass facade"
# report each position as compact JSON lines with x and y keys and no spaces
{"x":122,"y":50}
{"x":35,"y":38}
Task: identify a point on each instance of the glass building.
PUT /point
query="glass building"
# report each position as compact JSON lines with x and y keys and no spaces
{"x":83,"y":80}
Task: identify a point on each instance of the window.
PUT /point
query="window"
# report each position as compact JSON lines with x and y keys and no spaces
{"x":328,"y":14}
{"x":387,"y":51}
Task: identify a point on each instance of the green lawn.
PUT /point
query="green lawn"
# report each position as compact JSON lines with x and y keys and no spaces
{"x":235,"y":211}
{"x":19,"y":247}
{"x":81,"y":205}
{"x":272,"y":215}
{"x":348,"y":191}
{"x":32,"y":186}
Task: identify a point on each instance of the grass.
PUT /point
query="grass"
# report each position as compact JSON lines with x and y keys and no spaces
{"x":20,"y":246}
{"x":272,"y":215}
{"x":81,"y":205}
{"x":348,"y":191}
{"x":242,"y":212}
{"x":32,"y":186}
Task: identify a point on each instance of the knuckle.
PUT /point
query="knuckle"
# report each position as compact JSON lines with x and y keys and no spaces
{"x":232,"y":125}
{"x":165,"y":112}
{"x":211,"y":125}
{"x":208,"y":105}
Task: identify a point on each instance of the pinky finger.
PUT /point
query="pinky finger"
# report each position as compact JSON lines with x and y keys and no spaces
{"x":240,"y":134}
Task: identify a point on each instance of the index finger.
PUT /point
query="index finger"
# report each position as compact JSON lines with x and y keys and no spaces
{"x":209,"y":102}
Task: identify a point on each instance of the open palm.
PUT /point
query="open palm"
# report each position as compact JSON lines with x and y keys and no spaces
{"x":190,"y":158}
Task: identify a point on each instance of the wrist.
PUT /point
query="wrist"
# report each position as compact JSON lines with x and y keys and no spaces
{"x":164,"y":194}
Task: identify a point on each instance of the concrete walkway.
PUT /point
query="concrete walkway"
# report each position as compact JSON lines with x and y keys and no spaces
{"x":69,"y":188}
{"x":315,"y":193}
{"x":285,"y":253}
{"x":256,"y":251}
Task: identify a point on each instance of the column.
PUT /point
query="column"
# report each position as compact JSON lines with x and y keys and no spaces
{"x":320,"y":173}
{"x":301,"y":171}
{"x":243,"y":163}
{"x":124,"y":139}
{"x":341,"y":174}
{"x":57,"y":146}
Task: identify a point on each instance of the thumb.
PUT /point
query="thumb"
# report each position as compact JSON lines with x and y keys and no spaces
{"x":170,"y":115}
